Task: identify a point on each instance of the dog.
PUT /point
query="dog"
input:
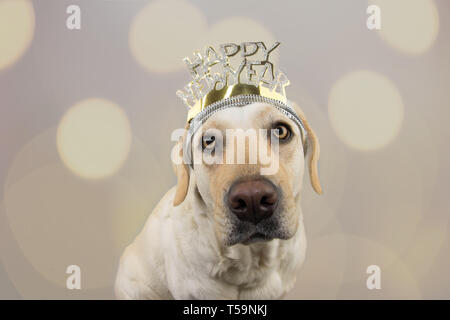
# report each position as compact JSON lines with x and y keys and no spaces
{"x":225,"y":231}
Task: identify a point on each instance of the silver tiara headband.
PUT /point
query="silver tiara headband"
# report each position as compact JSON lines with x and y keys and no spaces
{"x":218,"y":84}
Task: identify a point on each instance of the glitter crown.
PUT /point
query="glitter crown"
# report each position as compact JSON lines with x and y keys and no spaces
{"x":232,"y":70}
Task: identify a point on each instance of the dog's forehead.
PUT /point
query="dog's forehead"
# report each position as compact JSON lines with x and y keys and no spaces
{"x":250,"y":116}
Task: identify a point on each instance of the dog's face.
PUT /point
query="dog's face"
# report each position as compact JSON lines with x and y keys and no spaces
{"x":248,"y":169}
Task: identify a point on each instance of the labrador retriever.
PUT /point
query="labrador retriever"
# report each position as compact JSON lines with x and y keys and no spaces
{"x":226,"y":231}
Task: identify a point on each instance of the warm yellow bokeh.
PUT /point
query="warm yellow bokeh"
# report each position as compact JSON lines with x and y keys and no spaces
{"x":336,"y":267}
{"x":16,"y":30}
{"x":92,"y":221}
{"x":143,"y":185}
{"x":164,"y":32}
{"x":409,"y":26}
{"x":94,"y":138}
{"x":365,"y":110}
{"x":241,"y":29}
{"x":334,"y":171}
{"x":63,"y":221}
{"x":323,"y":271}
{"x":425,"y":247}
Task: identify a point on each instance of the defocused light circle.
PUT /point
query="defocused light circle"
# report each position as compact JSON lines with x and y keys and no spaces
{"x":59,"y":221}
{"x":397,"y":281}
{"x":241,"y":29}
{"x":16,"y":30}
{"x":409,"y":26}
{"x":365,"y":110}
{"x":50,"y":219}
{"x":164,"y":32}
{"x":321,"y":275}
{"x":94,"y":138}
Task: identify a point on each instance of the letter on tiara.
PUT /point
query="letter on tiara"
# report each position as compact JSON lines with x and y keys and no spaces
{"x":253,"y":69}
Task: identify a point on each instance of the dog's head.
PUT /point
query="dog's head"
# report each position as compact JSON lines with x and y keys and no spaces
{"x":250,"y":172}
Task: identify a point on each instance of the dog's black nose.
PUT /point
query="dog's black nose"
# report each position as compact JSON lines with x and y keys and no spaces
{"x":253,"y":200}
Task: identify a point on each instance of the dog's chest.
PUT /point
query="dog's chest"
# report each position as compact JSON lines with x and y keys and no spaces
{"x":257,"y":271}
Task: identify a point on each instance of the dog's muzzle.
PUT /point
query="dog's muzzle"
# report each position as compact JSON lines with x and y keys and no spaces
{"x":253,"y":200}
{"x":255,"y":208}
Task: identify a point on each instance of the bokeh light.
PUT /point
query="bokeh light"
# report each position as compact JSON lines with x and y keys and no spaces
{"x":67,"y":220}
{"x":241,"y":29}
{"x":94,"y":138}
{"x":323,"y":272}
{"x":336,"y":265}
{"x":319,"y":211}
{"x":142,"y":189}
{"x":425,"y":247}
{"x":365,"y":110}
{"x":387,"y":212}
{"x":397,"y":282}
{"x":409,"y":26}
{"x":16,"y":30}
{"x":164,"y":32}
{"x":62,"y":222}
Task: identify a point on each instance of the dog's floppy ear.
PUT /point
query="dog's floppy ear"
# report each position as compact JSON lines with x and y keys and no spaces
{"x":182,"y":172}
{"x":312,"y":152}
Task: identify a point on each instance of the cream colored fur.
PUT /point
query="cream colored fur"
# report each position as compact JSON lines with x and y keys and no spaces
{"x":179,"y":254}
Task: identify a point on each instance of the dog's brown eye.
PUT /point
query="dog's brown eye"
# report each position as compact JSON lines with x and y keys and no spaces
{"x":281,"y":132}
{"x":208,"y":142}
